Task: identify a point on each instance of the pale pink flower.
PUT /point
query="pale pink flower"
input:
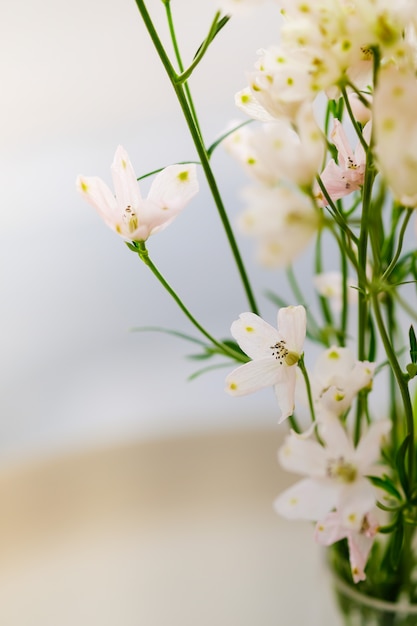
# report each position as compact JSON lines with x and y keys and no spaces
{"x":348,"y":175}
{"x":336,"y":473}
{"x":361,"y":112}
{"x":127,"y":213}
{"x":360,"y":541}
{"x":274,"y":353}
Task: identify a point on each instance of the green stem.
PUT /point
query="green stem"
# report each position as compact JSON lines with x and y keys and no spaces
{"x":201,"y":150}
{"x":224,"y":349}
{"x":180,"y":63}
{"x":355,"y":124}
{"x":401,"y":382}
{"x":401,"y":235}
{"x":185,"y":75}
{"x":304,"y":372}
{"x":363,"y":312}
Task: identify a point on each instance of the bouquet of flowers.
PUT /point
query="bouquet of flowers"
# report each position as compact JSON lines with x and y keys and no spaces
{"x":332,"y":153}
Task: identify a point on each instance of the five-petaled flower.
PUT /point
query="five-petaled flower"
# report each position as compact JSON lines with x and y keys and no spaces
{"x":131,"y":216}
{"x":336,"y":473}
{"x":274,"y":353}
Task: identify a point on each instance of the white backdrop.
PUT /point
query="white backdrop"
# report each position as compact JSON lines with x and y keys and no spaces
{"x":78,"y":78}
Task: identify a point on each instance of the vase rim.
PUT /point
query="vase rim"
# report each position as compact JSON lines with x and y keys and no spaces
{"x":376,"y":603}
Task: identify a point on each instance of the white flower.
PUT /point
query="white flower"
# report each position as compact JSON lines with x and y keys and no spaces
{"x":282,"y":221}
{"x":276,"y":152}
{"x":337,"y":378}
{"x":395,"y":127}
{"x":130,"y":215}
{"x":360,"y":541}
{"x":329,"y":285}
{"x":279,"y":85}
{"x":336,"y":474}
{"x":274,"y":353}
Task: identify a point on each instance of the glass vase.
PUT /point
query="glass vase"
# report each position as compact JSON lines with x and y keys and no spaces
{"x":358,"y":609}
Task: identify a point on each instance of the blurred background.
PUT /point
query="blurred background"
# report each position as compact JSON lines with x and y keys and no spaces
{"x":130,"y":495}
{"x":78,"y":79}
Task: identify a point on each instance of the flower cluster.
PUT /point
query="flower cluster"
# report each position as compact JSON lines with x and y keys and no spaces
{"x":332,"y":157}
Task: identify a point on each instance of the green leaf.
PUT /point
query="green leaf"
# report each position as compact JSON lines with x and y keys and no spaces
{"x":400,"y":464}
{"x":397,"y":543}
{"x":132,"y":246}
{"x":218,"y":141}
{"x":168,"y":331}
{"x":386,"y":484}
{"x":413,"y":345}
{"x":209,"y":368}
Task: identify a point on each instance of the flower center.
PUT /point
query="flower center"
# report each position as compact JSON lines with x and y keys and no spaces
{"x":341,"y":470}
{"x":130,"y":219}
{"x":284,"y":356}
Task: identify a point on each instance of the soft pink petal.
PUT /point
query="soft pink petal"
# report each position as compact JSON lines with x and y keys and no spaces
{"x":330,"y":530}
{"x":340,"y":140}
{"x":356,"y":499}
{"x":96,"y":192}
{"x":124,"y":181}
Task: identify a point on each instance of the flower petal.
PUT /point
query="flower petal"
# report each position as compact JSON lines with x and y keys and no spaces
{"x":124,"y":181}
{"x":292,"y":326}
{"x":96,"y":192}
{"x":255,"y":336}
{"x":302,"y":456}
{"x":253,"y":376}
{"x":308,"y":499}
{"x":285,"y":390}
{"x":174,"y":187}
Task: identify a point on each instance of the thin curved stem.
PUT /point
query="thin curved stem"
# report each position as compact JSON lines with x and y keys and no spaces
{"x":143,"y":254}
{"x":401,"y":382}
{"x":201,"y":150}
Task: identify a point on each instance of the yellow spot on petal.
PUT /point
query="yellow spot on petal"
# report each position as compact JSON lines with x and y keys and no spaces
{"x":245,"y":98}
{"x":333,"y":354}
{"x":118,"y":229}
{"x":124,"y":163}
{"x":293,"y":501}
{"x":232,"y":386}
{"x":84,"y":186}
{"x":320,"y":528}
{"x":290,"y":81}
{"x":339,"y":396}
{"x":251,"y":161}
{"x":388,"y":124}
{"x":398,"y":91}
{"x":352,"y":518}
{"x":183,"y":176}
{"x":249,"y":329}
